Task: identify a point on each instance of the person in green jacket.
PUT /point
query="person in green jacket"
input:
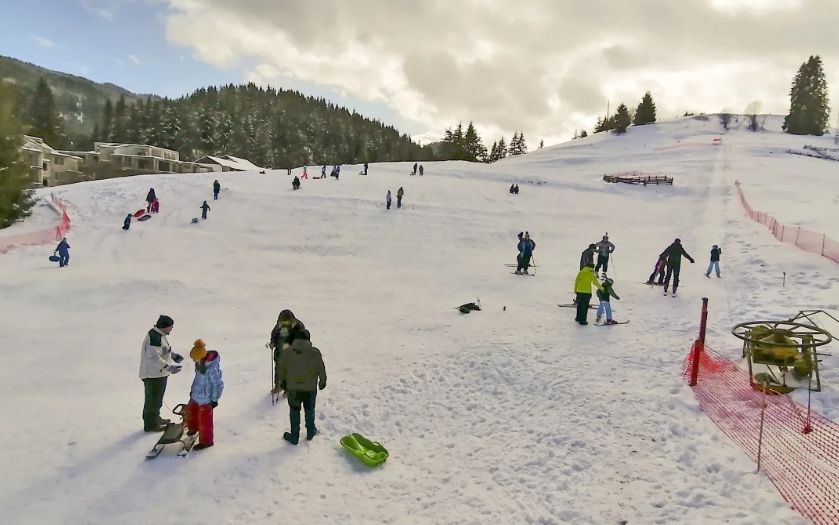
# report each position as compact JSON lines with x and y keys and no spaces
{"x":582,"y":287}
{"x":301,"y":373}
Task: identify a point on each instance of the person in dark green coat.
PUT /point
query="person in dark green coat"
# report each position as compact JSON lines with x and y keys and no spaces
{"x":301,"y":373}
{"x":674,"y":254}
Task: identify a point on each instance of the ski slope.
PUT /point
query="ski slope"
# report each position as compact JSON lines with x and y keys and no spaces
{"x":514,"y":414}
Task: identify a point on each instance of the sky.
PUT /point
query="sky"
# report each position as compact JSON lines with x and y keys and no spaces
{"x":542,"y":67}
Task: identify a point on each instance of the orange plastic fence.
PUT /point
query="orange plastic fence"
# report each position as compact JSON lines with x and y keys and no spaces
{"x":42,"y":236}
{"x":803,"y":466}
{"x":807,"y":240}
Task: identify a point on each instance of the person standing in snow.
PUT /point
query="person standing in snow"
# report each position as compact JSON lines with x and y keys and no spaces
{"x":301,"y":373}
{"x":399,"y":194}
{"x":716,"y":251}
{"x":127,"y":222}
{"x":512,"y":188}
{"x":604,"y":249}
{"x":387,"y":199}
{"x":587,"y":257}
{"x":155,"y":368}
{"x":204,"y":394}
{"x":295,"y":184}
{"x":287,"y":329}
{"x":674,"y":254}
{"x":603,"y":294}
{"x":420,"y":170}
{"x":414,"y":172}
{"x":204,"y":209}
{"x":150,"y":197}
{"x":526,"y":246}
{"x":323,"y":172}
{"x":216,"y":189}
{"x":305,"y":172}
{"x":155,"y":206}
{"x":365,"y":168}
{"x":63,"y":251}
{"x":582,"y":288}
{"x":660,"y":269}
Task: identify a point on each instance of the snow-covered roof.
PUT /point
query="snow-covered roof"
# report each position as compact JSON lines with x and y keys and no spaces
{"x":38,"y":144}
{"x":231,"y":162}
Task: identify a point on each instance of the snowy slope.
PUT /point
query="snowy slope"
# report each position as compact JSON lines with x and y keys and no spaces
{"x":501,"y":416}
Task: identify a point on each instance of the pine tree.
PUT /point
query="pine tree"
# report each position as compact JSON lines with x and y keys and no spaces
{"x":645,"y":114}
{"x":514,"y":144}
{"x":622,"y":119}
{"x":119,"y":120}
{"x":522,"y":144}
{"x":475,"y":149}
{"x":44,"y":120}
{"x":809,"y":108}
{"x":493,"y":152}
{"x":15,"y":195}
{"x":583,"y":134}
{"x":502,"y":149}
{"x":106,"y":131}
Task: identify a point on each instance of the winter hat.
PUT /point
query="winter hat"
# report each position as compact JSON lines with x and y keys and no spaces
{"x":286,"y":315}
{"x":164,"y":321}
{"x":678,"y":241}
{"x":199,"y":350}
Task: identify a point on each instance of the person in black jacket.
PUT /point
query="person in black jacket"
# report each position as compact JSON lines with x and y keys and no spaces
{"x":204,"y":209}
{"x":587,"y":257}
{"x":150,"y":198}
{"x":216,"y":189}
{"x":287,"y":329}
{"x":674,"y":262}
{"x":127,"y":222}
{"x":716,"y":251}
{"x":295,"y":184}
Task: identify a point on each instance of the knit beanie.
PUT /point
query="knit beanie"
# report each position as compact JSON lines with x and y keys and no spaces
{"x":286,"y":315}
{"x":199,"y":350}
{"x":164,"y":321}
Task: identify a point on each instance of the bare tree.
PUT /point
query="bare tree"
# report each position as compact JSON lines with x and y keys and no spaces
{"x":751,"y":113}
{"x":725,"y":119}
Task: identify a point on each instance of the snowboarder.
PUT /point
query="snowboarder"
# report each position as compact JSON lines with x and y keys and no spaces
{"x":206,"y":390}
{"x":301,"y":370}
{"x":295,"y":184}
{"x":155,"y":206}
{"x":127,"y":222}
{"x":387,"y":199}
{"x":365,"y":168}
{"x":716,"y":251}
{"x":155,"y":368}
{"x":587,"y":257}
{"x":287,"y":329}
{"x":674,"y":262}
{"x":660,"y":269}
{"x":204,"y":209}
{"x":216,"y":189}
{"x":526,"y":246}
{"x":603,"y":293}
{"x":414,"y":172}
{"x":150,"y":197}
{"x":604,"y":248}
{"x":63,"y":251}
{"x":399,"y":194}
{"x":305,"y":172}
{"x":420,"y":170}
{"x":582,"y":288}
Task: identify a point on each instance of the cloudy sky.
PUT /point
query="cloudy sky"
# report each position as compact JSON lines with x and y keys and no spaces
{"x":546,"y":67}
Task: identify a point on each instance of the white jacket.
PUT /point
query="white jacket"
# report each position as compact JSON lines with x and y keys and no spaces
{"x":155,"y":355}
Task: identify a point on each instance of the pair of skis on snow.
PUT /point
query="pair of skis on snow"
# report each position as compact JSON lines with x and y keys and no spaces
{"x":591,"y":307}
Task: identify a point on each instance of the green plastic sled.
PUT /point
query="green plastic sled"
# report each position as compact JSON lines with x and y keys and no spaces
{"x":371,"y":453}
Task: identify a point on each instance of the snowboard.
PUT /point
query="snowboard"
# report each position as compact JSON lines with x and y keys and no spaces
{"x":144,"y":218}
{"x":572,"y":305}
{"x":139,"y":213}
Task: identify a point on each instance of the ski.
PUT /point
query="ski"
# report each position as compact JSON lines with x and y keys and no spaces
{"x":610,"y":324}
{"x":572,"y":305}
{"x":528,"y":274}
{"x":188,"y":442}
{"x":516,"y":265}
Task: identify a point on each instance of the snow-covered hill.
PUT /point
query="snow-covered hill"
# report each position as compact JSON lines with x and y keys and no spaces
{"x":508,"y":415}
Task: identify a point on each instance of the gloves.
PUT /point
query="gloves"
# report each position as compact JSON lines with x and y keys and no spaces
{"x":322,"y":385}
{"x":177,"y":357}
{"x":173,"y":369}
{"x":214,"y":404}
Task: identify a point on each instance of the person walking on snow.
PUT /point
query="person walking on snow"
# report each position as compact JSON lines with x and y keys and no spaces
{"x":216,"y":189}
{"x":716,"y":251}
{"x":63,"y":250}
{"x":587,"y":257}
{"x":604,"y":248}
{"x":526,"y":246}
{"x":399,"y":194}
{"x":660,"y":269}
{"x":365,"y":168}
{"x":204,"y":394}
{"x":204,"y":209}
{"x":155,"y":206}
{"x":387,"y":199}
{"x":420,"y":170}
{"x":155,"y":368}
{"x":674,"y":254}
{"x":582,"y":288}
{"x":323,"y":172}
{"x":285,"y":332}
{"x":127,"y":222}
{"x":415,"y":169}
{"x":301,"y":371}
{"x":603,"y":294}
{"x":150,"y":197}
{"x":305,"y":173}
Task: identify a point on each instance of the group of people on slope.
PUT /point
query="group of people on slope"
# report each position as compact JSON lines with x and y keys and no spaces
{"x":421,"y":170}
{"x":669,"y":265}
{"x":153,"y":205}
{"x":399,"y":194}
{"x":587,"y":277}
{"x":514,"y":189}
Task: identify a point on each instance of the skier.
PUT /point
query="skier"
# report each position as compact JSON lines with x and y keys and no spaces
{"x":674,"y":262}
{"x":154,"y":371}
{"x":305,"y":172}
{"x":603,"y":294}
{"x":216,"y":189}
{"x":716,"y":251}
{"x":63,"y":251}
{"x":415,"y":169}
{"x":420,"y":169}
{"x":150,"y":197}
{"x":526,"y":246}
{"x":301,"y":369}
{"x":660,"y":268}
{"x":387,"y":199}
{"x":204,"y":209}
{"x":287,"y":329}
{"x":127,"y":222}
{"x":207,"y":387}
{"x":604,"y":248}
{"x":365,"y":168}
{"x":155,"y":206}
{"x":582,"y":288}
{"x":295,"y":184}
{"x":587,"y":257}
{"x":399,"y":194}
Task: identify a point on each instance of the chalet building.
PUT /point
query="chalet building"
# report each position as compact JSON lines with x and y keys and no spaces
{"x":49,"y":167}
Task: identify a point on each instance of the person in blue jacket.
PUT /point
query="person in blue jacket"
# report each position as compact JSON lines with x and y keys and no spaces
{"x":526,"y":247}
{"x":127,"y":222}
{"x":206,"y":390}
{"x":63,"y":250}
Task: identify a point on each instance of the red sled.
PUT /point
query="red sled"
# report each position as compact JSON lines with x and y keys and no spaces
{"x":140,"y":212}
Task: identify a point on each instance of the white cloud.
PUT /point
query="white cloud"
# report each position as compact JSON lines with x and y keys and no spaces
{"x":42,"y":41}
{"x":104,"y":8}
{"x":546,"y":67}
{"x":134,"y":59}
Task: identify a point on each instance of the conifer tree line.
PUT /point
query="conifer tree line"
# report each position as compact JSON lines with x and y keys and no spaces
{"x":620,"y":121}
{"x":15,"y":195}
{"x":468,"y":146}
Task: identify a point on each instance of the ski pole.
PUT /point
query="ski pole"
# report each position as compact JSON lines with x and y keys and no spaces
{"x":533,"y":258}
{"x":613,"y":269}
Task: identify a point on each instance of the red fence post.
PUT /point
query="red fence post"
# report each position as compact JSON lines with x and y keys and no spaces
{"x":699,"y":345}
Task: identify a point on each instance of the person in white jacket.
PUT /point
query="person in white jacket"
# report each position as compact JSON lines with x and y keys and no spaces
{"x":155,"y":367}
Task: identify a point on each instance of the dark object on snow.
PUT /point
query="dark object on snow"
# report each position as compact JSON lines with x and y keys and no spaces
{"x":174,"y":433}
{"x":54,"y":258}
{"x":468,"y":307}
{"x":295,"y":184}
{"x":144,"y":218}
